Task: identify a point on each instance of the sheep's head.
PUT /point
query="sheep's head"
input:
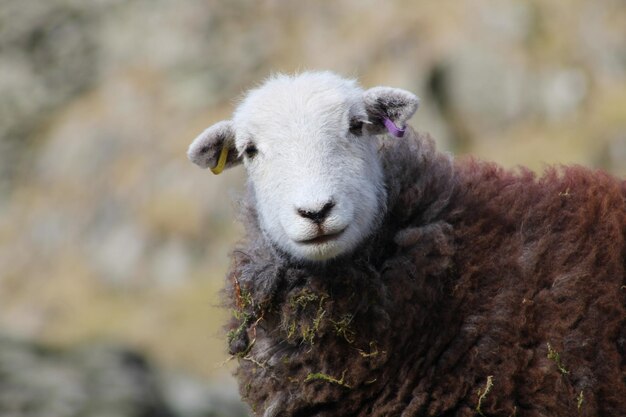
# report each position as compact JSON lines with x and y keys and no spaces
{"x":308,"y":143}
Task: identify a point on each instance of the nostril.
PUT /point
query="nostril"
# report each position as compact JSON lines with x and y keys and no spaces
{"x":327,"y":208}
{"x":317,"y":216}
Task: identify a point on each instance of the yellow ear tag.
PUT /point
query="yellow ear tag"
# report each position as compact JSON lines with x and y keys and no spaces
{"x":221,"y":162}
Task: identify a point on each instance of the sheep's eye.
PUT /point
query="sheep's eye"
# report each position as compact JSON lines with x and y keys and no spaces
{"x":251,"y":150}
{"x":356,"y":127}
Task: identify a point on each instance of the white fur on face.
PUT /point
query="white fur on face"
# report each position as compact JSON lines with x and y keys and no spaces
{"x":319,"y":188}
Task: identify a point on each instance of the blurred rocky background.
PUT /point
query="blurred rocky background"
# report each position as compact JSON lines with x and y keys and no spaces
{"x":113,"y":247}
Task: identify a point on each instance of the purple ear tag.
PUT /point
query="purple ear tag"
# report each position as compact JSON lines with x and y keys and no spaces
{"x":393,"y":129}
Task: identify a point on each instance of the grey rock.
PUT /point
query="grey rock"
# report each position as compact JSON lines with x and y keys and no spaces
{"x":95,"y":381}
{"x":101,"y":380}
{"x":189,"y":397}
{"x":47,"y":55}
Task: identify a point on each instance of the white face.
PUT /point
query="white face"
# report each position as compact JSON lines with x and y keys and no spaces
{"x":319,"y":187}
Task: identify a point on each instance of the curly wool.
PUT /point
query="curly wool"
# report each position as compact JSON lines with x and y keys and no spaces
{"x":484,"y":292}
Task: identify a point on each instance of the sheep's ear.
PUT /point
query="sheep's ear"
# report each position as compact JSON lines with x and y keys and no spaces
{"x":215,"y":142}
{"x":388,"y":103}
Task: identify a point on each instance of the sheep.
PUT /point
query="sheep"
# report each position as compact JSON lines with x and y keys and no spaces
{"x":381,"y":277}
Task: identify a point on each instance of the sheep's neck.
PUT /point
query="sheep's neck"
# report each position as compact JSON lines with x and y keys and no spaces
{"x":300,"y":326}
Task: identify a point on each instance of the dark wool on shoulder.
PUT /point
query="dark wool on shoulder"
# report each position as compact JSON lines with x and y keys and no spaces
{"x":484,"y":291}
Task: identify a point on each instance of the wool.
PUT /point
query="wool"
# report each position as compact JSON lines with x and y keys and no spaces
{"x":484,"y":291}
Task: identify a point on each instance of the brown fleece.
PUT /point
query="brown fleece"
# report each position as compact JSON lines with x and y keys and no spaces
{"x":485,"y":292}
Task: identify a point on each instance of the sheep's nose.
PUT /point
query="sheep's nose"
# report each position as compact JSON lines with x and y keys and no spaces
{"x":317,"y":216}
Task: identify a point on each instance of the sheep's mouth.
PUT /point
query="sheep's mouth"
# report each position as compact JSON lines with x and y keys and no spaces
{"x":322,"y":238}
